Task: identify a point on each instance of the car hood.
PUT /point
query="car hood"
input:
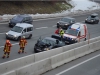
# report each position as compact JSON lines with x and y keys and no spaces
{"x":14,"y":33}
{"x":62,"y":22}
{"x":70,"y":36}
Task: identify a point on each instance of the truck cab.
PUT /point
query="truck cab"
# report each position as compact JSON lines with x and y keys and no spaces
{"x":75,"y":33}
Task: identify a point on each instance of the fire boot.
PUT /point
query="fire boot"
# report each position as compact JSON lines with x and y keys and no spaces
{"x":19,"y":51}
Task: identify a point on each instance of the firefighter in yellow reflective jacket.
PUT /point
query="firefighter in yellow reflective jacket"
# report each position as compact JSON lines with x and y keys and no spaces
{"x":22,"y":44}
{"x":7,"y":49}
{"x":61,"y":32}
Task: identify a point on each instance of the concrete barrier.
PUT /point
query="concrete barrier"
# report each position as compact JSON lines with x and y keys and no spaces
{"x":9,"y":73}
{"x":46,"y":54}
{"x":14,"y":64}
{"x":68,"y":47}
{"x":62,"y":58}
{"x":96,"y":45}
{"x":81,"y":51}
{"x":36,"y":68}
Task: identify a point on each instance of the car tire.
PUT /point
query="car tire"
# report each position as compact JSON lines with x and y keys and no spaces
{"x":9,"y":25}
{"x":18,"y":38}
{"x":30,"y":36}
{"x":85,"y":39}
{"x":97,"y":22}
{"x":58,"y":26}
{"x":85,"y":21}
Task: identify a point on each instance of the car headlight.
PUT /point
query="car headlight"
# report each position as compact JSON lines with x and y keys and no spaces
{"x":92,"y":20}
{"x":72,"y":39}
{"x":85,"y":19}
{"x":6,"y":33}
{"x":66,"y":24}
{"x":57,"y":22}
{"x":14,"y":35}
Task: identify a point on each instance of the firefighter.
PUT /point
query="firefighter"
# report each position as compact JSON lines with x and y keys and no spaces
{"x":22,"y":44}
{"x":7,"y":49}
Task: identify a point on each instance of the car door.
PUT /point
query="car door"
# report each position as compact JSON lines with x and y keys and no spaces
{"x":29,"y":31}
{"x":24,"y":32}
{"x":26,"y":20}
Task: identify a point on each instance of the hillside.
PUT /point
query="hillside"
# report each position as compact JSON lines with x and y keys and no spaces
{"x":32,"y":7}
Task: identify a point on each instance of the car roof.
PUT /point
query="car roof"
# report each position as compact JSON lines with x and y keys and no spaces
{"x":24,"y":15}
{"x":77,"y":25}
{"x":50,"y":38}
{"x":24,"y":25}
{"x":94,"y":14}
{"x":69,"y":17}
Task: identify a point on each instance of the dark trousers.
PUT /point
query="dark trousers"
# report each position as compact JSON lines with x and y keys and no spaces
{"x":6,"y":53}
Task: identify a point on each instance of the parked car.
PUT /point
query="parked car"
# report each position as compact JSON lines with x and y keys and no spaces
{"x":65,"y":22}
{"x":19,"y":30}
{"x":47,"y":43}
{"x":93,"y":18}
{"x":20,"y":19}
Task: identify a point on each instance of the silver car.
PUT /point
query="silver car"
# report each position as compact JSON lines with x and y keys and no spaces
{"x":19,"y":30}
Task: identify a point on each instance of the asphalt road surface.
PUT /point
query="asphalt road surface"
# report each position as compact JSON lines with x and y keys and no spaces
{"x":42,"y":28}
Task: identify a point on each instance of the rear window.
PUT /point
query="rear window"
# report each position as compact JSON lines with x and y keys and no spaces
{"x":18,"y":18}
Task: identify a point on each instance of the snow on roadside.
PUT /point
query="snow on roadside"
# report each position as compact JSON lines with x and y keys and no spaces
{"x":78,"y":7}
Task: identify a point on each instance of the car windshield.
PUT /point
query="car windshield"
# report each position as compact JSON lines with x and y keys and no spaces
{"x":17,"y":29}
{"x":93,"y":16}
{"x":72,"y":32}
{"x":65,"y":19}
{"x":18,"y":18}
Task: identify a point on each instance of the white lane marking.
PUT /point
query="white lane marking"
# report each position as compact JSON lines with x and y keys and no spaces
{"x":3,"y":33}
{"x":78,"y":64}
{"x":54,"y":25}
{"x":12,"y":44}
{"x":41,"y":27}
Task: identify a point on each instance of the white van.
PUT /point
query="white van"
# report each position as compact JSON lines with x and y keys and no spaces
{"x":76,"y":32}
{"x":19,"y":30}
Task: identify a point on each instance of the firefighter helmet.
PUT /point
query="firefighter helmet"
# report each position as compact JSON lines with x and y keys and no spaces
{"x":7,"y":41}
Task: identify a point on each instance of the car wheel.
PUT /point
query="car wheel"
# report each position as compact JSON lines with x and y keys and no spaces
{"x":58,"y":26}
{"x":85,"y":39}
{"x":10,"y":26}
{"x":97,"y":22}
{"x":18,"y":38}
{"x":30,"y":36}
{"x":85,"y":21}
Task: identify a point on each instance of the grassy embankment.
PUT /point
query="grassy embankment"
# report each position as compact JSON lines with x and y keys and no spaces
{"x":32,"y":7}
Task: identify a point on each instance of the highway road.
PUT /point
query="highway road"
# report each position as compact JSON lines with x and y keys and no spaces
{"x":42,"y":28}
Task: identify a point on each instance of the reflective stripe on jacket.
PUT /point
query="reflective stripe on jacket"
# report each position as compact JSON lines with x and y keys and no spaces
{"x":61,"y":32}
{"x":7,"y":47}
{"x":22,"y":43}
